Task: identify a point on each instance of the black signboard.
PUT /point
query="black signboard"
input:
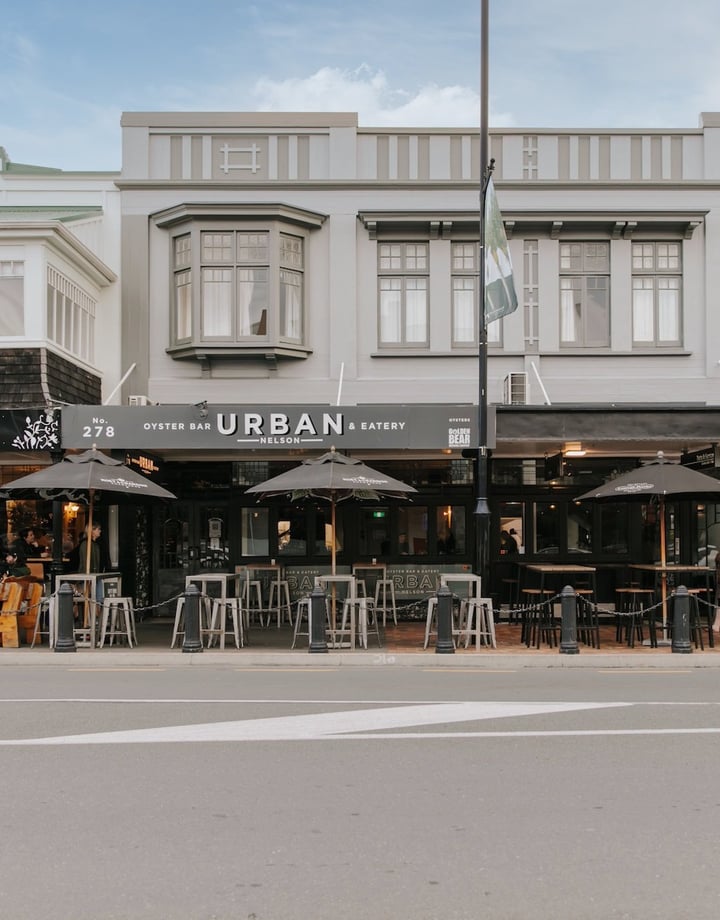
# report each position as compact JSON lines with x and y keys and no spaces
{"x":263,"y":427}
{"x":29,"y":429}
{"x":554,"y":467}
{"x":704,"y":459}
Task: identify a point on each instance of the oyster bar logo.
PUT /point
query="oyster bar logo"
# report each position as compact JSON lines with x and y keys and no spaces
{"x":459,"y":432}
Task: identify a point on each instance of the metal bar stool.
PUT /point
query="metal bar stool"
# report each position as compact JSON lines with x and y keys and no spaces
{"x":117,"y":620}
{"x":385,"y":599}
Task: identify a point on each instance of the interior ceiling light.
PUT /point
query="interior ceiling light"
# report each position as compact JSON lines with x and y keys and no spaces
{"x":574,"y":449}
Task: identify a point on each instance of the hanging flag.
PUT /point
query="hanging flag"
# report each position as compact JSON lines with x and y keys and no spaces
{"x":500,"y":296}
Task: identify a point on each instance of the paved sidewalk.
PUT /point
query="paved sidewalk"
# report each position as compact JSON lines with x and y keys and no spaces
{"x":402,"y":648}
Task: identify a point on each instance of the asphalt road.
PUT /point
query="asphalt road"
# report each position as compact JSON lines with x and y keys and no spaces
{"x":191,"y":794}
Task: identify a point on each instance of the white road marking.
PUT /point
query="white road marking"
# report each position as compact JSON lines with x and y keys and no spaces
{"x":317,"y":726}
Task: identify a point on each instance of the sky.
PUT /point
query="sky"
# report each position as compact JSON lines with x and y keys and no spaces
{"x":69,"y":70}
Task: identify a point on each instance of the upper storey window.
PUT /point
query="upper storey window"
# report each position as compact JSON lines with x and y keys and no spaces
{"x":585,"y":294}
{"x":465,"y":298}
{"x":12,"y":316}
{"x":70,"y":316}
{"x":403,"y":270}
{"x":239,"y":285}
{"x":242,"y":275}
{"x":656,"y":285}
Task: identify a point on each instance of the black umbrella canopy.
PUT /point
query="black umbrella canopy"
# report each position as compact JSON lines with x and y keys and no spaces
{"x":659,"y":478}
{"x":334,"y":477}
{"x":84,"y":478}
{"x":80,"y":477}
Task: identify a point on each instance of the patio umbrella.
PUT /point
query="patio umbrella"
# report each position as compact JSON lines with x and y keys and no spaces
{"x":85,"y":478}
{"x":333,"y":477}
{"x":657,"y":479}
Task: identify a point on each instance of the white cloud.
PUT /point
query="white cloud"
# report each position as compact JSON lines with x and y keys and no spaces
{"x":368,"y":93}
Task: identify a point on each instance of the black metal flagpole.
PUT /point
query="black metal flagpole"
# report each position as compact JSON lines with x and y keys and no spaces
{"x":482,"y":508}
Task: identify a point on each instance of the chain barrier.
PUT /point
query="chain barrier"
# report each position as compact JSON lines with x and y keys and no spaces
{"x":411,"y":610}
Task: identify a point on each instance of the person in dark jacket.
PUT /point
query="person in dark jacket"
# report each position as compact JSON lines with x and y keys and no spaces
{"x":13,"y":566}
{"x":99,"y":556}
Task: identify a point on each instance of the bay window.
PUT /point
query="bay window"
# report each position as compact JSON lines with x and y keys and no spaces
{"x":238,"y":281}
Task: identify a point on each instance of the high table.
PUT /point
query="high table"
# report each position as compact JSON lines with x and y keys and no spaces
{"x":86,"y":587}
{"x":202,"y":581}
{"x":545,"y":569}
{"x":267,"y":576}
{"x":661,"y":573}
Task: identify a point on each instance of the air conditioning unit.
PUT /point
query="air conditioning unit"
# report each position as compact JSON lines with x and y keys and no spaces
{"x":138,"y":401}
{"x":516,"y":390}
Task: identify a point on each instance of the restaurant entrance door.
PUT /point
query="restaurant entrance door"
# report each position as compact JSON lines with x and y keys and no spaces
{"x":192,"y":538}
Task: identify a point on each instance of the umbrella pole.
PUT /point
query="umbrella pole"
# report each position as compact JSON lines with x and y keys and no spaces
{"x":332,"y":559}
{"x":663,"y":573}
{"x":88,"y":529}
{"x":87,"y":614}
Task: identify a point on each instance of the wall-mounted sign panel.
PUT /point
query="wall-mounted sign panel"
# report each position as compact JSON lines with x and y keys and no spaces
{"x":29,"y":429}
{"x":273,"y":427}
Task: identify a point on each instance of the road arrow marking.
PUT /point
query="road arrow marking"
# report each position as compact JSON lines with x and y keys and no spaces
{"x":318,"y":726}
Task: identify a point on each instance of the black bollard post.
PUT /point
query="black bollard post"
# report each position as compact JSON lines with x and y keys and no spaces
{"x":191,"y":612}
{"x":317,"y":615}
{"x":568,"y":622}
{"x":444,"y":644}
{"x":681,"y":621}
{"x":65,"y":640}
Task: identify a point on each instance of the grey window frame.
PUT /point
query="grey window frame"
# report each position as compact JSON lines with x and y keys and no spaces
{"x":656,"y":274}
{"x":582,"y":277}
{"x":404,"y":274}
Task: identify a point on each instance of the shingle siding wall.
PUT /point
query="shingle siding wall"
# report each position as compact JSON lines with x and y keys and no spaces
{"x":21,"y":372}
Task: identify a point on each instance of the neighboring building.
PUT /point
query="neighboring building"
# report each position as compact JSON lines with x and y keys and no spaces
{"x":273,"y":263}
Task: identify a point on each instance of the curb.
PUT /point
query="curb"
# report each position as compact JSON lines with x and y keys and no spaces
{"x":86,"y":659}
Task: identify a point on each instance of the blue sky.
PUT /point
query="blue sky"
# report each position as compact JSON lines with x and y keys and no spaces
{"x":68,"y":70}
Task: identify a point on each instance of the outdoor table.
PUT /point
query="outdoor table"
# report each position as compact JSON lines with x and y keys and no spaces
{"x":266,"y":574}
{"x":545,"y":569}
{"x":661,"y":573}
{"x":86,"y":586}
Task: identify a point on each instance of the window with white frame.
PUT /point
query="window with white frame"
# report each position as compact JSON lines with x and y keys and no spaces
{"x":70,"y":316}
{"x":12,"y":297}
{"x":656,"y":286}
{"x":251,"y":286}
{"x":403,"y":296}
{"x":465,"y":287}
{"x":585,"y":294}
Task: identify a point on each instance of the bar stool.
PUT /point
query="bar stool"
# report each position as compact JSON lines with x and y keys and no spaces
{"x":221,"y":609}
{"x":303,"y":615}
{"x":280,"y":599}
{"x":709,"y":611}
{"x":480,"y":622}
{"x":534,"y":614}
{"x":46,"y":615}
{"x":367,"y":616}
{"x":179,"y":624}
{"x":629,"y":620}
{"x":253,"y":601}
{"x":385,"y":589}
{"x":115,"y":609}
{"x":430,"y":619}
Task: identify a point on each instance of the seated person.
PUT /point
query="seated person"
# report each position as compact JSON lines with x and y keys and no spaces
{"x":14,"y":567}
{"x":28,"y":544}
